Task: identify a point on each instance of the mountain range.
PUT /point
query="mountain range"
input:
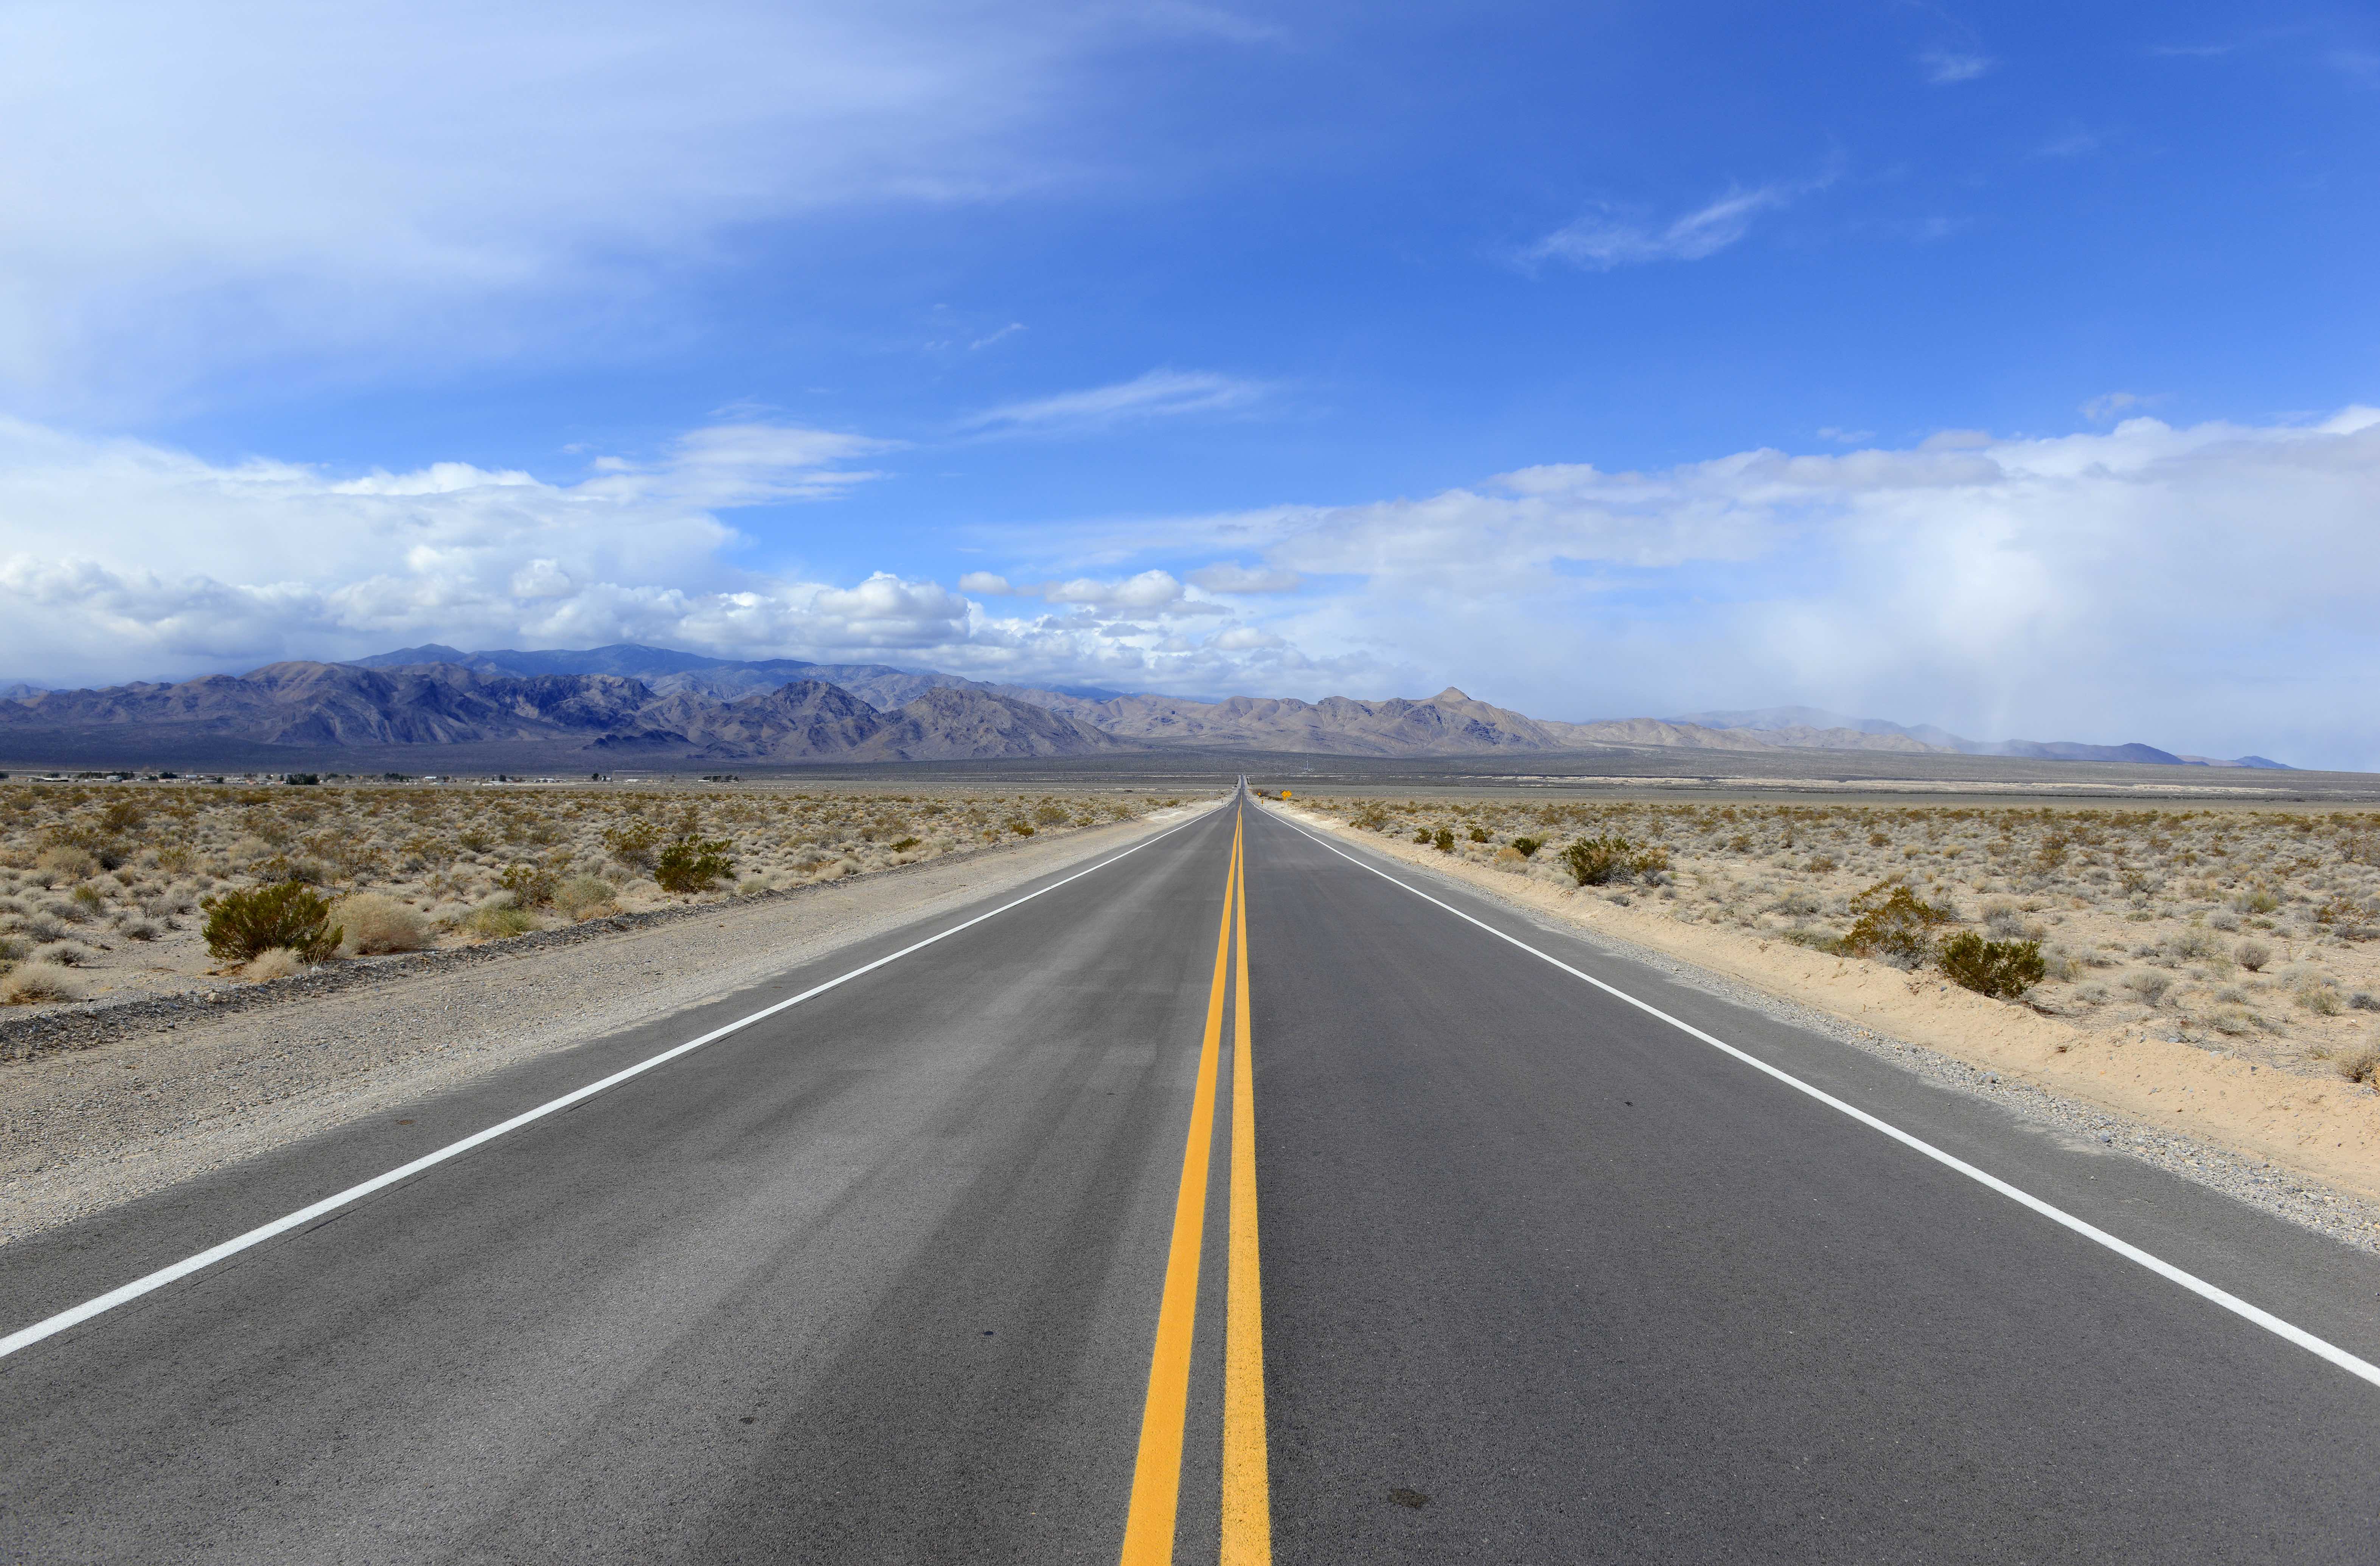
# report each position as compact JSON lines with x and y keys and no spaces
{"x":623,"y":704}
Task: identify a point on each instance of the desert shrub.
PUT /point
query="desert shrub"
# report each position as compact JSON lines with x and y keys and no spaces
{"x":2222,"y":919}
{"x":2360,"y":1064}
{"x":87,"y":898}
{"x":2195,"y":945}
{"x":635,"y":844}
{"x":1596,"y":861}
{"x":1526,"y":847}
{"x":376,"y":924}
{"x":692,"y":863}
{"x":1421,"y":836}
{"x":1443,"y":840}
{"x":2364,"y":1001}
{"x":2092,"y":993}
{"x":273,"y":961}
{"x":2253,"y":956}
{"x":61,"y":863}
{"x":2320,"y":999}
{"x":2256,"y":900}
{"x":906,"y":844}
{"x":242,"y":923}
{"x":1894,"y":924}
{"x":2004,"y":969}
{"x":1479,"y":834}
{"x":583,"y":897}
{"x":1020,"y":826}
{"x":37,"y":985}
{"x":1050,"y":814}
{"x":1373,"y":817}
{"x":62,"y":953}
{"x":2148,"y":984}
{"x":531,"y":885}
{"x":140,"y":930}
{"x":499,"y":920}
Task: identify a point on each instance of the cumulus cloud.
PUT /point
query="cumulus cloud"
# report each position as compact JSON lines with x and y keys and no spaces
{"x":122,"y":559}
{"x":2204,"y":587}
{"x":117,"y":551}
{"x":1159,"y":394}
{"x":1608,"y":238}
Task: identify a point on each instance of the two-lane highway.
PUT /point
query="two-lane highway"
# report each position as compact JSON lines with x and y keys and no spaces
{"x":1224,"y":1199}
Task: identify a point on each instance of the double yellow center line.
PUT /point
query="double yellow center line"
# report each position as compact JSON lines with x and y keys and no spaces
{"x":1157,"y":1476}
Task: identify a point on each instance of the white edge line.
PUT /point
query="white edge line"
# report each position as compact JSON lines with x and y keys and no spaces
{"x":2166,"y":1269}
{"x":27,"y":1337}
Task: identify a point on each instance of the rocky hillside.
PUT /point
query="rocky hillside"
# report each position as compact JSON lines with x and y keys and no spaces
{"x":626,"y":702}
{"x":317,"y":705}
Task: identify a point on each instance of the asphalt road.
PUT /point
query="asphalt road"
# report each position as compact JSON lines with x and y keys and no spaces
{"x":880,"y":1278}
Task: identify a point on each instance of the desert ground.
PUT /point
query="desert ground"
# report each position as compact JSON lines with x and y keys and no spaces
{"x":2222,"y":959}
{"x":106,"y":887}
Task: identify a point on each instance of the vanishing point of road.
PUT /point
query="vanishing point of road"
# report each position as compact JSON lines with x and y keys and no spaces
{"x":1237,"y":1197}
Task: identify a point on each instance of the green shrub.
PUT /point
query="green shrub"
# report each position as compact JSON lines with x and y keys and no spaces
{"x":906,"y":844}
{"x":1050,"y":814}
{"x":242,"y":923}
{"x":583,"y":895}
{"x":1444,"y":841}
{"x":2004,"y":969}
{"x":498,"y":920}
{"x":1893,"y":923}
{"x":1594,"y":861}
{"x":1526,"y":847}
{"x":1021,"y":827}
{"x":1421,"y":834}
{"x":691,"y":864}
{"x":1479,"y":834}
{"x":531,"y":885}
{"x":635,"y":845}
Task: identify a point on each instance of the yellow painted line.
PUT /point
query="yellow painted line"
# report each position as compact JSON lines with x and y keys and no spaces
{"x":1157,"y":1473}
{"x":1247,"y":1485}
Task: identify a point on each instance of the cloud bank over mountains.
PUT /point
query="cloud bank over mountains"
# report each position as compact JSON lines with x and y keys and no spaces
{"x":2148,"y":579}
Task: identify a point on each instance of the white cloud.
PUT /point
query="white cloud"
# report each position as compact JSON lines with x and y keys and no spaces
{"x":2205,"y":588}
{"x":1235,"y":579}
{"x":122,"y":559}
{"x":295,"y":182}
{"x":1159,"y":394}
{"x":1946,"y":66}
{"x":120,"y":556}
{"x":1608,"y":239}
{"x":2109,"y":404}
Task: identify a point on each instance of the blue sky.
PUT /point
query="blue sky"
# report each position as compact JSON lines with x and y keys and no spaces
{"x":1999,"y":368}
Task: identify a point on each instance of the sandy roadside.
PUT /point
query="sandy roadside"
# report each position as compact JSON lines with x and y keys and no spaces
{"x":83,"y":1132}
{"x":2325,"y":1130}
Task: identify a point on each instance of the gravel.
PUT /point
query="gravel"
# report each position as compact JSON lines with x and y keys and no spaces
{"x":102,"y":1104}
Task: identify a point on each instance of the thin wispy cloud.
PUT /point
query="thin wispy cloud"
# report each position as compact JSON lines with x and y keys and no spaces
{"x":1608,"y":238}
{"x":1946,"y":66}
{"x":1159,"y":394}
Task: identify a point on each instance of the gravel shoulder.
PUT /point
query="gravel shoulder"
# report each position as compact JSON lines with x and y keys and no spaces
{"x":2306,"y":1148}
{"x":152,"y":1098}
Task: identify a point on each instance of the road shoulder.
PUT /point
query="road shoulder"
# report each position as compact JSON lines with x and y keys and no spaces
{"x":2307,"y":1151}
{"x":84,"y":1131}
